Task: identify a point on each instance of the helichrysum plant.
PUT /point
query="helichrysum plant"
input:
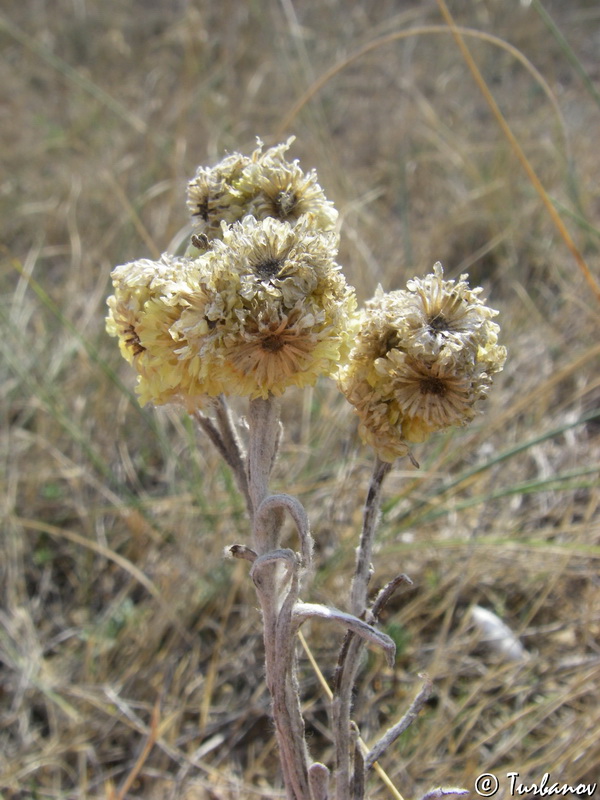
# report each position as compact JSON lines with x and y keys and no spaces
{"x":256,"y":305}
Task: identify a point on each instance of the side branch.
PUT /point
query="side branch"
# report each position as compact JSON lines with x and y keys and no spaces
{"x":229,"y":449}
{"x":285,"y":502}
{"x":390,"y":736}
{"x":275,"y":576}
{"x":364,"y":552}
{"x":349,"y":658}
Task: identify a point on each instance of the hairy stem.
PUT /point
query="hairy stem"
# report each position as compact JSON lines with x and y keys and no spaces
{"x":275,"y":575}
{"x":390,"y":736}
{"x":364,"y":551}
{"x":263,"y":422}
{"x":350,"y":655}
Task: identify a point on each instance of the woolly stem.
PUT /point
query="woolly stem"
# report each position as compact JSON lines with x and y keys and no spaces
{"x":263,"y":422}
{"x":350,"y":655}
{"x":275,"y":575}
{"x":364,"y":551}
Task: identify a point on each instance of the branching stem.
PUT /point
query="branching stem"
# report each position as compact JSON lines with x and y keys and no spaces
{"x":276,"y":576}
{"x":352,"y":648}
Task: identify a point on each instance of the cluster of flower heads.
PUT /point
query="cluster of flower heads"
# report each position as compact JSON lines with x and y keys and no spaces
{"x":265,"y":185}
{"x":258,"y":304}
{"x":422,"y":360}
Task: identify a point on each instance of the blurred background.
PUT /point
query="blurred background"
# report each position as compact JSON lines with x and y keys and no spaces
{"x":130,"y":650}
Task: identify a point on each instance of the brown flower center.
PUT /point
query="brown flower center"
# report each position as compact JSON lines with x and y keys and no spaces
{"x":268,"y":268}
{"x":432,"y":385}
{"x":438,"y":323}
{"x":391,"y":341}
{"x":272,"y":343}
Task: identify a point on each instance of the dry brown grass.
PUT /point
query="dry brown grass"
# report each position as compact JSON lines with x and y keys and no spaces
{"x":130,"y":652}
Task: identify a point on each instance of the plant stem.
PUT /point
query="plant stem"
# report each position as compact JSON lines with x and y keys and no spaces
{"x":350,"y":654}
{"x":364,"y":552}
{"x":275,"y":575}
{"x":263,"y":422}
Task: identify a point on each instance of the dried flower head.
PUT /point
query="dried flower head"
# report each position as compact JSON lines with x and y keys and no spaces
{"x":264,"y":185}
{"x":272,"y":348}
{"x":143,"y":314}
{"x":280,"y":189}
{"x":135,"y":284}
{"x":269,"y":257}
{"x":430,"y":396}
{"x":423,"y":359}
{"x":212,"y":196}
{"x":378,"y":419}
{"x":445,"y":315}
{"x":290,"y":310}
{"x":263,"y":309}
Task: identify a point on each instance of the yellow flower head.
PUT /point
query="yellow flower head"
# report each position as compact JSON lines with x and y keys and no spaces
{"x":143,"y":314}
{"x":423,"y":359}
{"x":135,"y":284}
{"x":269,"y":257}
{"x":272,"y":348}
{"x":264,"y":185}
{"x":445,"y":315}
{"x":377,"y":419}
{"x":212,"y":197}
{"x":430,"y":396}
{"x":279,"y":188}
{"x":263,"y":309}
{"x":289,"y":309}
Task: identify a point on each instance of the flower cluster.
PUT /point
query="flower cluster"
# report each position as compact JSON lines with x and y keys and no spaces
{"x":264,"y":185}
{"x":423,"y":359}
{"x":257,"y":305}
